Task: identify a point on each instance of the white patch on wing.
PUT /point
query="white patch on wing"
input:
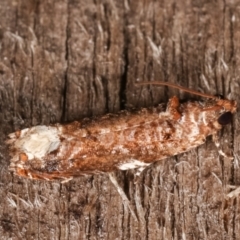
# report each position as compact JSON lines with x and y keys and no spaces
{"x":104,"y":131}
{"x":120,"y":148}
{"x":38,"y":141}
{"x":204,"y":118}
{"x":133,"y":164}
{"x":194,"y":128}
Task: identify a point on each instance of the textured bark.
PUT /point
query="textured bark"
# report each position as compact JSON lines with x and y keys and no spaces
{"x":67,"y":59}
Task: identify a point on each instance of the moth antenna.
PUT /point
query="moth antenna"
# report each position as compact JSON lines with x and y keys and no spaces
{"x":177,"y":87}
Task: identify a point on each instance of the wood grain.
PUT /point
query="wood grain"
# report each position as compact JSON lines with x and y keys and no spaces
{"x":67,"y":59}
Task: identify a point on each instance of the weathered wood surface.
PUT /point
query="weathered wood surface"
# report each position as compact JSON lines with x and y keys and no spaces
{"x":64,"y":60}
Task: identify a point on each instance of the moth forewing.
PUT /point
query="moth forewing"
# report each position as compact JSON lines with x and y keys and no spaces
{"x":122,"y":141}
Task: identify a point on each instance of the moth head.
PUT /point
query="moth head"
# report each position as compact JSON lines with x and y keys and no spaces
{"x":225,"y":118}
{"x":220,"y":110}
{"x":228,"y":107}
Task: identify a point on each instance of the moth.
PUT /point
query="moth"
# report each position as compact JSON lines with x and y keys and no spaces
{"x":126,"y":140}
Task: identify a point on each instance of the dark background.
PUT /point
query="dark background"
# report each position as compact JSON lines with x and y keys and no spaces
{"x":64,"y":60}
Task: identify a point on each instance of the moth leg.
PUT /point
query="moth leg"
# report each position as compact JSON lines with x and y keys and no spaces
{"x":216,"y":141}
{"x":172,"y":107}
{"x":136,"y":165}
{"x":137,"y":174}
{"x":140,"y":170}
{"x":126,"y":202}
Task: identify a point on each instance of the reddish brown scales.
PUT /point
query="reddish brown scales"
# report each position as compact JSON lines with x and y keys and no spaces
{"x":115,"y":141}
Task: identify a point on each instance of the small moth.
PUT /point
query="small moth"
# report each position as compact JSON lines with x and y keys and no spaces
{"x":125,"y":140}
